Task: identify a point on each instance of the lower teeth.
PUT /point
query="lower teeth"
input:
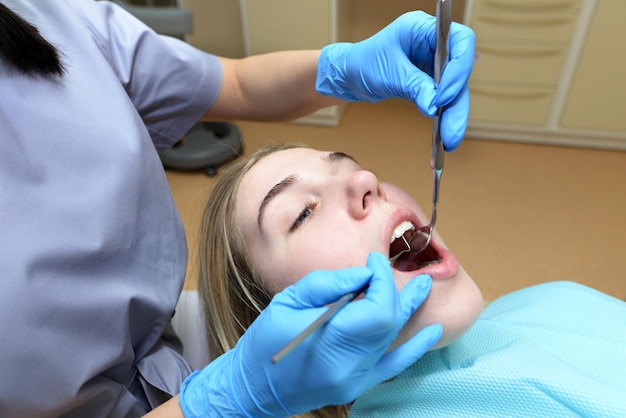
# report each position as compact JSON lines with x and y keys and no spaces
{"x":429,"y":263}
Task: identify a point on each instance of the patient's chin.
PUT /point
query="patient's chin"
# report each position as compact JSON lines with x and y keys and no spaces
{"x":450,"y":336}
{"x":455,"y":306}
{"x":451,"y":333}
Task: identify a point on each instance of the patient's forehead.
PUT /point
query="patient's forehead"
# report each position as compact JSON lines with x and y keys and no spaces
{"x":274,"y":167}
{"x":298,"y":158}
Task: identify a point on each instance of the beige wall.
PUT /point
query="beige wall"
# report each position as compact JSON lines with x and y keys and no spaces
{"x":216,"y":26}
{"x":217,"y":23}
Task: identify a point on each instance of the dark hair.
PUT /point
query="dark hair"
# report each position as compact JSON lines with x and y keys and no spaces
{"x":24,"y":49}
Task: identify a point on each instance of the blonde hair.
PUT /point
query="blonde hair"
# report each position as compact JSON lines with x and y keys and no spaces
{"x":232,"y":292}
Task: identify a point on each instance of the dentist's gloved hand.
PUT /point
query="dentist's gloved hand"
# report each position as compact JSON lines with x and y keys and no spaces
{"x":398,"y":62}
{"x":332,"y":366}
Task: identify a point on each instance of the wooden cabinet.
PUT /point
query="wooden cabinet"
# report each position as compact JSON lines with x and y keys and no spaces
{"x":274,"y":25}
{"x":597,"y":96}
{"x":549,"y":71}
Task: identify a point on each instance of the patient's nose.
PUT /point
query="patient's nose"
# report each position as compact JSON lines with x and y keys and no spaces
{"x":362,"y":189}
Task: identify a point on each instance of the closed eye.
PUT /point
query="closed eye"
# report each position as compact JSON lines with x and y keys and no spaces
{"x":303,"y":216}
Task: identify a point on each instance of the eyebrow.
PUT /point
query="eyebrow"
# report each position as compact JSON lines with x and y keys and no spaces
{"x":291,"y":179}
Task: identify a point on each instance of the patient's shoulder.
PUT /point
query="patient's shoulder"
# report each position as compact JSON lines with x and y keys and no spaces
{"x":554,"y":298}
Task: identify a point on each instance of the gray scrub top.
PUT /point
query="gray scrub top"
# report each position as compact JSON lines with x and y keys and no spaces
{"x":92,"y":249}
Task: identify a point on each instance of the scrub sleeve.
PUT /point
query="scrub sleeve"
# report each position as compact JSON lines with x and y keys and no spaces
{"x":552,"y":350}
{"x":92,"y":249}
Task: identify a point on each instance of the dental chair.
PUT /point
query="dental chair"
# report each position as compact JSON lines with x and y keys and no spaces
{"x":207,"y":145}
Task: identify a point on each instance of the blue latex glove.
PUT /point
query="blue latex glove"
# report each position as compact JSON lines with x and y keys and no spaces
{"x":332,"y":366}
{"x":398,"y":62}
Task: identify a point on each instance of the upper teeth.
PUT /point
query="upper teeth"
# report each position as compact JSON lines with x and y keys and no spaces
{"x":400,"y":230}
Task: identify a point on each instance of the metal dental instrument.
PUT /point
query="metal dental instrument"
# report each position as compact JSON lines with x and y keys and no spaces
{"x":444,"y":18}
{"x":393,"y":259}
{"x":421,"y":238}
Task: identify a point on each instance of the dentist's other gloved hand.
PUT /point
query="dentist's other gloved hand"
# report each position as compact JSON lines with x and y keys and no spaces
{"x":398,"y":62}
{"x":332,"y":366}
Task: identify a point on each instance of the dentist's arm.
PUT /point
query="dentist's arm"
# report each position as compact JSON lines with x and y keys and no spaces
{"x":273,"y":87}
{"x":396,"y":62}
{"x":170,"y":409}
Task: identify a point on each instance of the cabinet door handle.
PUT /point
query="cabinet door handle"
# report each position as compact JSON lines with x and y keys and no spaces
{"x":503,"y":93}
{"x":511,"y":50}
{"x":525,"y":20}
{"x":531,"y":4}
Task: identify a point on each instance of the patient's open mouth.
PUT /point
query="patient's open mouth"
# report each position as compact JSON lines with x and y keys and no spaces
{"x":411,"y":261}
